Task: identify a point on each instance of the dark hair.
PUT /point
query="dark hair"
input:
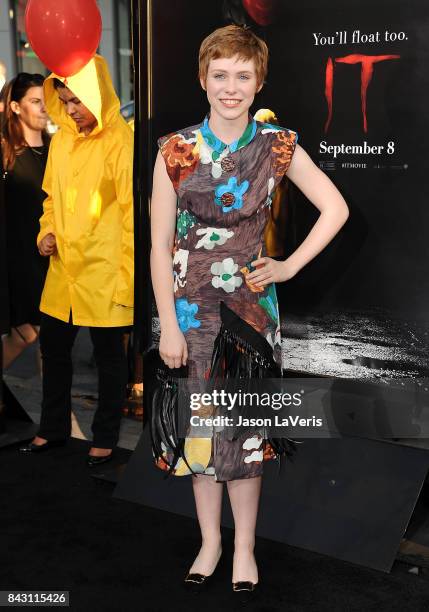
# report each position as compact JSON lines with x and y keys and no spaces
{"x":12,"y":135}
{"x":58,"y":84}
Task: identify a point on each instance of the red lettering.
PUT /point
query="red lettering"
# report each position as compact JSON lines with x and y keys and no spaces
{"x":367,"y":68}
{"x":329,"y":85}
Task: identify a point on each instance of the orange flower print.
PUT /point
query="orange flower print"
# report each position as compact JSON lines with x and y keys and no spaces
{"x":180,"y":158}
{"x":253,"y":288}
{"x":247,"y":269}
{"x":283,"y":151}
{"x":162,"y":464}
{"x":268,"y":452}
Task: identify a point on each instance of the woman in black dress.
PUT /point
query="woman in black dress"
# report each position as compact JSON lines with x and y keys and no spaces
{"x":24,"y":147}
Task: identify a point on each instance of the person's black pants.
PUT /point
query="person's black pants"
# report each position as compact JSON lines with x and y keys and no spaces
{"x":56,"y":343}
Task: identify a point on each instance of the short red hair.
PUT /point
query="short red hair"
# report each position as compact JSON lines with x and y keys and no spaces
{"x":234,"y":40}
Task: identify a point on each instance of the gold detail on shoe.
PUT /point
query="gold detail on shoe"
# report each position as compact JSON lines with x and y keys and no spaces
{"x":243,"y":586}
{"x":197,"y":578}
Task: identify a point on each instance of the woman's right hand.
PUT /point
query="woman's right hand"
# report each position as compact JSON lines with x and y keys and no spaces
{"x":173,"y":348}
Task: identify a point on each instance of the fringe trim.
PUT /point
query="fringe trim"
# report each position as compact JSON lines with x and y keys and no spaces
{"x":164,"y":421}
{"x":233,"y":357}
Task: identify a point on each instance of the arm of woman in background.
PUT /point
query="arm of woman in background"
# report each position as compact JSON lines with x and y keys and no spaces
{"x":46,"y":242}
{"x":172,"y":345}
{"x":321,"y":192}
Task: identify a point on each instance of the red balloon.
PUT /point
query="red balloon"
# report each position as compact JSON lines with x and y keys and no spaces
{"x":261,"y":11}
{"x":64,"y":34}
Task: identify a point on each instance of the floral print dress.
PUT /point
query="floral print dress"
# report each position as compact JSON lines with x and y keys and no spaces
{"x":224,"y":196}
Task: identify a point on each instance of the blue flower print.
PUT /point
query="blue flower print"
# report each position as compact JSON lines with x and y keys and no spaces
{"x":185,"y":314}
{"x":230,"y":196}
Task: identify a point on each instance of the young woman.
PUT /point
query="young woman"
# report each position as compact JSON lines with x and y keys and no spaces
{"x":24,"y":147}
{"x":210,"y":205}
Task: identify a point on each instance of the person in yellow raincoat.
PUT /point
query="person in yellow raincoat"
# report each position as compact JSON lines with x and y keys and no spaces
{"x":87,"y":231}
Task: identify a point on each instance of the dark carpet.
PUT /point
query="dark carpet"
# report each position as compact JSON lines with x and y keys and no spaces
{"x":62,"y":530}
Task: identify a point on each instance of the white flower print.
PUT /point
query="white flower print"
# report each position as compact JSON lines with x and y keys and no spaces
{"x":255,"y":456}
{"x":192,"y":139}
{"x":274,"y":338}
{"x":272,"y":129}
{"x":250,"y":443}
{"x":269,"y":199}
{"x":223,"y":275}
{"x":180,"y":265}
{"x":212,"y":236}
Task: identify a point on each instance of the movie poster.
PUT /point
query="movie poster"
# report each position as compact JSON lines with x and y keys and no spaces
{"x":352,"y":80}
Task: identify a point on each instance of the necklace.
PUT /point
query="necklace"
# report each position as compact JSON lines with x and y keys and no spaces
{"x":35,"y":150}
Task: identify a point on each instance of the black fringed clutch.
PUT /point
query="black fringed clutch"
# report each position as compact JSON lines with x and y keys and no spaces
{"x":161,"y":400}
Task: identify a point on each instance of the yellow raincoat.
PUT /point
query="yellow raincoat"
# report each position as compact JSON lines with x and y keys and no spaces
{"x":89,"y":207}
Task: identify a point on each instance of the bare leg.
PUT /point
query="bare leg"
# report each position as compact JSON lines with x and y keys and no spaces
{"x":39,"y":441}
{"x":14,"y":344}
{"x":17,"y":341}
{"x":244,"y":497}
{"x":208,"y":501}
{"x":94,"y":451}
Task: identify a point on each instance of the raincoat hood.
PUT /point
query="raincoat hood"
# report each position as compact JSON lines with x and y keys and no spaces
{"x":94,"y":88}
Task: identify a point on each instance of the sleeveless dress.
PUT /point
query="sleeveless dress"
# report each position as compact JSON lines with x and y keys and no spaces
{"x":4,"y":296}
{"x":24,"y":206}
{"x":224,"y":196}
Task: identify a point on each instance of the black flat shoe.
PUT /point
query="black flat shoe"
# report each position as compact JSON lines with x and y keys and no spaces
{"x":196,"y":583}
{"x":244,"y":591}
{"x":41,"y":448}
{"x":92,"y":461}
